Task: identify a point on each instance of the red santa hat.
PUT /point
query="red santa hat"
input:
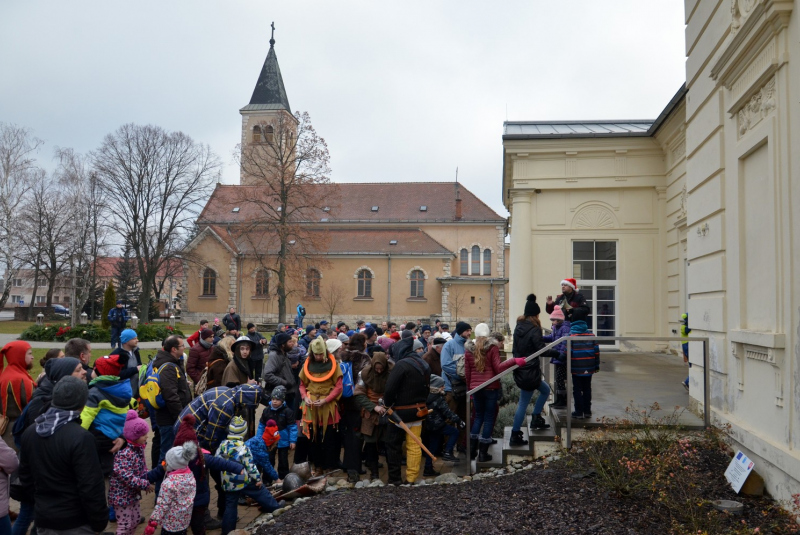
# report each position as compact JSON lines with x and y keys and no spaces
{"x":572,"y":283}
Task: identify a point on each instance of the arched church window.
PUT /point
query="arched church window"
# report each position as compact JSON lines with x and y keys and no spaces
{"x":209,"y":282}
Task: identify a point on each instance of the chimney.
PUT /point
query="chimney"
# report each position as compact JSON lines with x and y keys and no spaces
{"x":458,"y":204}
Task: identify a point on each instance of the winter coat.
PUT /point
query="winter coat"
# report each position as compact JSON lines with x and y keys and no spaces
{"x":258,"y":353}
{"x":440,"y":413}
{"x":233,"y":375}
{"x":232,"y":322}
{"x":64,"y":471}
{"x":558,"y":332}
{"x":434,"y":360}
{"x":110,"y":398}
{"x":527,"y":341}
{"x":234,"y":449}
{"x":217,"y":362}
{"x":174,"y":388}
{"x":492,"y":365}
{"x":215,"y":408}
{"x":278,"y":372}
{"x":576,"y":300}
{"x":284,"y":418}
{"x":202,"y":496}
{"x":197,"y":360}
{"x":175,"y":501}
{"x":408,"y":384}
{"x":260,"y":453}
{"x":129,"y":477}
{"x":401,"y":349}
{"x":358,"y":360}
{"x":585,"y":353}
{"x":118,"y":317}
{"x":453,"y":347}
{"x":8,"y":464}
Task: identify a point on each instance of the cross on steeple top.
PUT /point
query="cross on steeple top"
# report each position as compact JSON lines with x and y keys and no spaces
{"x":272,"y":38}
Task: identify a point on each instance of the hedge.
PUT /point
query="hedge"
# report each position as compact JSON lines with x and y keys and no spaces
{"x":146,"y":332}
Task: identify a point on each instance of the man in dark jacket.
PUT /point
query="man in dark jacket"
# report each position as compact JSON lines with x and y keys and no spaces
{"x":59,"y":465}
{"x":174,"y":389}
{"x":568,"y":300}
{"x":400,"y":349}
{"x":232,"y":321}
{"x":118,"y":317}
{"x":406,"y":392}
{"x":311,"y":333}
{"x":278,"y":371}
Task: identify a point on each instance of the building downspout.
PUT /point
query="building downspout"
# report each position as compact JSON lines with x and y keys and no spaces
{"x":389,"y":289}
{"x":239,"y":276}
{"x":491,"y":302}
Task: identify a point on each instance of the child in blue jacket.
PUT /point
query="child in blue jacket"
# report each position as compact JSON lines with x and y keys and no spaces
{"x":585,"y":362}
{"x":561,"y":328}
{"x":284,"y":416}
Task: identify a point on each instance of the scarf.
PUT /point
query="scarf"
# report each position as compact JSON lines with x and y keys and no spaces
{"x":53,"y":420}
{"x":242,"y":365}
{"x":205,"y":344}
{"x":319,"y":368}
{"x":377,"y":382}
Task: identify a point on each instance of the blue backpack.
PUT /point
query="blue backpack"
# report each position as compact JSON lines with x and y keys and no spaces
{"x":149,"y":389}
{"x":347,"y":379}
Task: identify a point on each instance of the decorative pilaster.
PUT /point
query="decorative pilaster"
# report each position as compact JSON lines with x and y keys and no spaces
{"x":521,"y":273}
{"x":232,"y":283}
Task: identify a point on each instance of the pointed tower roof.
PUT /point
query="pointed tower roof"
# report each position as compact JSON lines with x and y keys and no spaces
{"x":269,"y":93}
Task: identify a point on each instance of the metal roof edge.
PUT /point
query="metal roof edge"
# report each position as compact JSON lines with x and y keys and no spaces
{"x":667,"y":111}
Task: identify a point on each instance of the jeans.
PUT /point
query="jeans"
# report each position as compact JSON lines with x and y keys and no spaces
{"x":435,"y":440}
{"x":24,"y":519}
{"x":261,"y":495}
{"x":167,"y":437}
{"x":582,"y":392}
{"x":115,"y":334}
{"x":485,"y":408}
{"x":525,"y":398}
{"x":5,"y":525}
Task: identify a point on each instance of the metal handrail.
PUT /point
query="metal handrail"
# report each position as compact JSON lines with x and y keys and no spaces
{"x":569,"y":339}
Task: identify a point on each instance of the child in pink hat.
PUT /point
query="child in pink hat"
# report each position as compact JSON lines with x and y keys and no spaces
{"x":129,"y":477}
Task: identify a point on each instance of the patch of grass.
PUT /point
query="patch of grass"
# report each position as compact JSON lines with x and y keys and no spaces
{"x":16,"y":327}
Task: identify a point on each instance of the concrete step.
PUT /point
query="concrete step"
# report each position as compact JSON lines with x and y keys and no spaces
{"x":496,"y":451}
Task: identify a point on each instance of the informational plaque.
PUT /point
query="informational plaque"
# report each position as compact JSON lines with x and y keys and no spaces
{"x":738,"y":470}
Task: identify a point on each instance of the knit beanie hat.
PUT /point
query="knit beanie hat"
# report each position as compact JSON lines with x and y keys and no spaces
{"x":395,"y":336}
{"x":271,"y":435}
{"x":186,"y":431}
{"x":237,"y":427}
{"x":281,"y":338}
{"x":206,"y":333}
{"x":135,"y":428}
{"x":127,"y":335}
{"x":279,"y":392}
{"x":369,"y":332}
{"x":531,"y":307}
{"x":310,"y":328}
{"x":108,"y":365}
{"x":406,"y":334}
{"x":424,"y":328}
{"x":70,"y":394}
{"x":417,"y":345}
{"x":179,"y":457}
{"x":557,"y":314}
{"x":318,"y":346}
{"x":462,"y":326}
{"x":482,"y":329}
{"x":61,"y":367}
{"x":333,"y":344}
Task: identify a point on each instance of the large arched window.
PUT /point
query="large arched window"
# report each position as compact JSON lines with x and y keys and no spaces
{"x":487,"y":262}
{"x":257,"y":134}
{"x":312,"y":282}
{"x":476,"y":260}
{"x":262,"y":283}
{"x":269,"y":132}
{"x":464,"y":262}
{"x":417,"y":278}
{"x":364,"y":283}
{"x":209,"y":282}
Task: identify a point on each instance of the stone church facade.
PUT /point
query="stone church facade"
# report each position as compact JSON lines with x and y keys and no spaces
{"x":692,"y":212}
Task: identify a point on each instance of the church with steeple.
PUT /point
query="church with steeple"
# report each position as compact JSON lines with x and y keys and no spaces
{"x":416,"y":250}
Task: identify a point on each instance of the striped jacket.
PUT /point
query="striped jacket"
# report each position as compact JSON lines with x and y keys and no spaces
{"x":215,"y":408}
{"x":585,"y":353}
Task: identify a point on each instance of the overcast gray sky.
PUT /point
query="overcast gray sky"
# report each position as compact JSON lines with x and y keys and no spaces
{"x":401,"y":91}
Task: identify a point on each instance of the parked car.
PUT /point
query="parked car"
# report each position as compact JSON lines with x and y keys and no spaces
{"x":62,"y":311}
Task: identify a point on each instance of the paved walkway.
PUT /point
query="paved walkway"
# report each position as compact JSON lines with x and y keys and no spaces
{"x":96,"y":346}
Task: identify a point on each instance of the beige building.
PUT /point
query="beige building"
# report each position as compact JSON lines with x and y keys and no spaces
{"x":381,"y":251}
{"x":694,"y":211}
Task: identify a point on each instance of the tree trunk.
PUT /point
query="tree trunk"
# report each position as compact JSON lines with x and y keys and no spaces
{"x":144,"y":300}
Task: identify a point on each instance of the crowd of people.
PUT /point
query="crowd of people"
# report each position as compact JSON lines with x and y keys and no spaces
{"x":239,"y":409}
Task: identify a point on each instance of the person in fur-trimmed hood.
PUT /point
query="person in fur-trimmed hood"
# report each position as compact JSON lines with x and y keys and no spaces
{"x":481,"y":363}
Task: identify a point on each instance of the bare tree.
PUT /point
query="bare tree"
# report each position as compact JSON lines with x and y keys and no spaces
{"x":157,"y":181}
{"x":17,"y":169}
{"x":457,"y":300}
{"x":286,"y":163}
{"x":332,"y":297}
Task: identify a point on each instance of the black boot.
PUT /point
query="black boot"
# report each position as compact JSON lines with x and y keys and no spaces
{"x":538,"y":423}
{"x":374,"y":472}
{"x":473,"y":448}
{"x":560,"y":401}
{"x":483,"y":455}
{"x":517,"y":439}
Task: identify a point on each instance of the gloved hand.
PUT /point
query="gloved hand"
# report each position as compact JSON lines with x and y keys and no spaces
{"x":151,"y":528}
{"x":520,"y":361}
{"x":462,"y":424}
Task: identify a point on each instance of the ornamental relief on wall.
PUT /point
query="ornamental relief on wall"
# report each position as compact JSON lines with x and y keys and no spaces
{"x":759,"y":106}
{"x":594,"y":217}
{"x":740,"y":11}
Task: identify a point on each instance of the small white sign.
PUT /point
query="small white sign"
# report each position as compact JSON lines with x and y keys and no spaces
{"x":738,"y":470}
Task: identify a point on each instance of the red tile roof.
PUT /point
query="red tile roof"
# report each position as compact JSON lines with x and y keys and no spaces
{"x":354,"y":202}
{"x":339,"y":241}
{"x":107,"y":267}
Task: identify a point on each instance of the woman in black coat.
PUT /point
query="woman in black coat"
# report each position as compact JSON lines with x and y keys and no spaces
{"x":527,"y":341}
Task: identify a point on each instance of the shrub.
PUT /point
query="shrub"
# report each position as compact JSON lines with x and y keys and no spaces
{"x":155,"y":332}
{"x":92,"y":333}
{"x":109,"y":302}
{"x":40,"y":333}
{"x":147,"y":332}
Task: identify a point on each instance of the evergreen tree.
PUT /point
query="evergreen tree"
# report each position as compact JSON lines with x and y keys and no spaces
{"x":125,"y":274}
{"x":109,"y":302}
